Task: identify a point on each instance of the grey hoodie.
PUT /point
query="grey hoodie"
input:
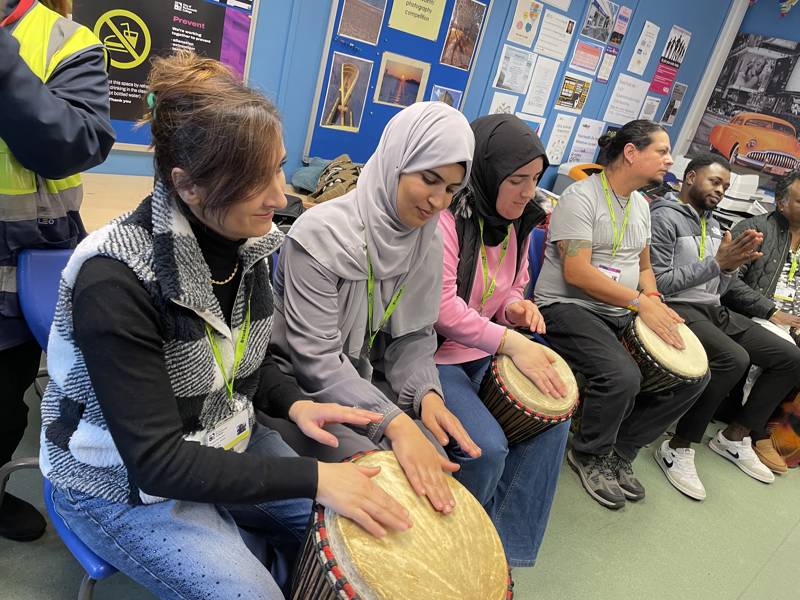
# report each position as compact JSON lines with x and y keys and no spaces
{"x":675,"y":253}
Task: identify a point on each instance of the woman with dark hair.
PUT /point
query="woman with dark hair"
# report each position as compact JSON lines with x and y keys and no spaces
{"x":158,"y":360}
{"x":596,"y":277}
{"x":486,"y":235}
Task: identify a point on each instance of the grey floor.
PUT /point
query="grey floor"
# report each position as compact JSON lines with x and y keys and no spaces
{"x":741,"y":543}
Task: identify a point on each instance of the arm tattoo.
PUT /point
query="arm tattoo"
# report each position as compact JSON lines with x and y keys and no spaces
{"x":572,"y":247}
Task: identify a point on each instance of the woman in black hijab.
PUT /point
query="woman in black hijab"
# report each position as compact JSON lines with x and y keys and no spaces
{"x":486,"y":236}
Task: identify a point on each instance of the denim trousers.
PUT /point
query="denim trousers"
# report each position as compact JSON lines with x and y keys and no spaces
{"x":190,"y":550}
{"x":515,"y":484}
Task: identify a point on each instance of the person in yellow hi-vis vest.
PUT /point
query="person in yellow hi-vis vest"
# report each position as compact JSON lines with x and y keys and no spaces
{"x":55,"y":123}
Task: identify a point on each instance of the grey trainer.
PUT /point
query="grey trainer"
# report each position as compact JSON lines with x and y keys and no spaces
{"x":631,"y":486}
{"x":597,"y":478}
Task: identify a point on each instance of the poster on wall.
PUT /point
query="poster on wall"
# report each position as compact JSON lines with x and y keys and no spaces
{"x":420,"y":18}
{"x":462,"y":34}
{"x":671,"y":59}
{"x":600,"y":20}
{"x":644,"y":48}
{"x":555,"y":35}
{"x":505,"y":104}
{"x":347,"y":92}
{"x":535,"y":123}
{"x":753,"y":115}
{"x":559,"y":137}
{"x":515,"y":70}
{"x":525,"y":23}
{"x":573,"y":93}
{"x":584,"y":147}
{"x":361,"y":20}
{"x":607,"y":64}
{"x":133,"y":31}
{"x":673,"y":104}
{"x":439,"y":93}
{"x":649,"y":108}
{"x":621,"y":26}
{"x":401,"y":80}
{"x":544,"y":76}
{"x":586,"y":57}
{"x":626,"y":100}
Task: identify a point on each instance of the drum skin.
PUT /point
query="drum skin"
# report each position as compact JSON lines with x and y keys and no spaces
{"x":519,"y":407}
{"x":665,"y":367}
{"x":449,"y":557}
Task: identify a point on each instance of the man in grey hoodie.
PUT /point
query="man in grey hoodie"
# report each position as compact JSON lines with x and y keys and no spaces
{"x":694,"y":264}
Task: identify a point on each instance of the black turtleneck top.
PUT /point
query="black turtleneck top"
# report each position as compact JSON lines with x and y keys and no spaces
{"x":119,"y":332}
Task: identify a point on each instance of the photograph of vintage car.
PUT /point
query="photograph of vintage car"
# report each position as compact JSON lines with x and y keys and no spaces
{"x":758,"y":141}
{"x":753,"y":115}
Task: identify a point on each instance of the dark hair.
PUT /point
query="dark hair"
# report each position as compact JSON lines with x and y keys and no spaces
{"x":704,"y":160}
{"x":203,"y":120}
{"x":639,"y":133}
{"x":62,"y":7}
{"x":784,"y":183}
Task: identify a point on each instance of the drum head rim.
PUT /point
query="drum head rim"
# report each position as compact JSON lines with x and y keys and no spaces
{"x":509,"y":396}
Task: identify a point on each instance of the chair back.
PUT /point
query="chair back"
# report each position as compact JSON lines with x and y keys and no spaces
{"x":38,"y":277}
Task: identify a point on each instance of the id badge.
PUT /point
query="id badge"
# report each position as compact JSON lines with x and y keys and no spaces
{"x":610,"y":272}
{"x":232,"y":433}
{"x":784,"y":293}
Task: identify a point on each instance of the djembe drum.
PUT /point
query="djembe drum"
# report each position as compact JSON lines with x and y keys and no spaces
{"x":663,"y":366}
{"x":521,"y":409}
{"x":447,"y":557}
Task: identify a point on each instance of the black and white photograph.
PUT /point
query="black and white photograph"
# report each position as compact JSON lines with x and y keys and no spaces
{"x":753,"y":116}
{"x":600,"y":20}
{"x":676,"y":46}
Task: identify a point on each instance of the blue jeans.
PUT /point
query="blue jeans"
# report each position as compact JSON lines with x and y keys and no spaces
{"x":188,"y":550}
{"x":516,"y":485}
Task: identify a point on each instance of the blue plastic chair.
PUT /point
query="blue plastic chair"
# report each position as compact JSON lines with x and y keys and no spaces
{"x":536,"y":256}
{"x":38,"y":277}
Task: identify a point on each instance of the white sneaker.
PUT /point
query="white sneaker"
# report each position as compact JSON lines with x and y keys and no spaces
{"x":678,"y":466}
{"x":742,"y":455}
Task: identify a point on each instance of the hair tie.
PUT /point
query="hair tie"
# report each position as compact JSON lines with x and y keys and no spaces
{"x":151,"y":103}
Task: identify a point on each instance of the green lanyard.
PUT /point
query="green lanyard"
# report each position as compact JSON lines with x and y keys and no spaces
{"x":373,"y":333}
{"x":702,"y":238}
{"x":618,"y":234}
{"x":793,"y":267}
{"x":241,"y":346}
{"x":488,"y":287}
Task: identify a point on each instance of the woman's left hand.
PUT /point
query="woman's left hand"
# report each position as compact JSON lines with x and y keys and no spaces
{"x":442,"y":423}
{"x":312,"y":416}
{"x":525,"y":314}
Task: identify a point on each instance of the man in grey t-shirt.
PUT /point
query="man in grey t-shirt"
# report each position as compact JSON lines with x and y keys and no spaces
{"x":596,"y":277}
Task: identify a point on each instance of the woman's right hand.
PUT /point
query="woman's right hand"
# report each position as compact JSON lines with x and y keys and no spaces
{"x":424,"y":467}
{"x":662,"y":319}
{"x":535,"y":361}
{"x":349,"y":490}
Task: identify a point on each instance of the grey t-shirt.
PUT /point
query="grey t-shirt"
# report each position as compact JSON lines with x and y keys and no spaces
{"x":582,"y":214}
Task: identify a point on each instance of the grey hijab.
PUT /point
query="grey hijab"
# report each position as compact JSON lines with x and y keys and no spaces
{"x":424,"y":135}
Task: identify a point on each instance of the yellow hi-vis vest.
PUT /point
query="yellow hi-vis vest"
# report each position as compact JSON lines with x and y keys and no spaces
{"x":46,"y":39}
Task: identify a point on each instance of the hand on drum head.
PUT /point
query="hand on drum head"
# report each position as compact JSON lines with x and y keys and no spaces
{"x":536,"y":363}
{"x":424,"y":467}
{"x":445,"y":425}
{"x":312,"y":416}
{"x":349,"y":490}
{"x":662,"y":319}
{"x":525,"y":315}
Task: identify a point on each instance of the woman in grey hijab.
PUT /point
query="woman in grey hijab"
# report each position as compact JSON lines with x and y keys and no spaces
{"x":358,"y":286}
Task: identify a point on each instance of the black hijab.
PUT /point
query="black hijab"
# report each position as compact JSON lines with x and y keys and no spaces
{"x":503,"y":144}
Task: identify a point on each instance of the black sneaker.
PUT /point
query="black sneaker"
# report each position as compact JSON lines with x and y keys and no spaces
{"x":622,"y":468}
{"x":20,"y":521}
{"x":597,"y":478}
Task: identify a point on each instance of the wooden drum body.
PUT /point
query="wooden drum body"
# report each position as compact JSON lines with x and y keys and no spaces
{"x":664,"y":367}
{"x":448,"y":557}
{"x":519,"y":407}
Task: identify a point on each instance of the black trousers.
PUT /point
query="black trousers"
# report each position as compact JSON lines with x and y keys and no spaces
{"x":18,"y":368}
{"x":615,"y":414}
{"x":733,"y":342}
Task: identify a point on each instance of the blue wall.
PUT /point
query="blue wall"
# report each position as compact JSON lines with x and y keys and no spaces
{"x":763,"y":18}
{"x":290,"y":38}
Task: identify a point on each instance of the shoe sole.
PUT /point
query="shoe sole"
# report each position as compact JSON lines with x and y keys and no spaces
{"x":724,"y":454}
{"x":682,"y":489}
{"x":607,"y":503}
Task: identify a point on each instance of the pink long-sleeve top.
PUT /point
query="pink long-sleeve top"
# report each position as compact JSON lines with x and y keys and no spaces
{"x":473,"y":333}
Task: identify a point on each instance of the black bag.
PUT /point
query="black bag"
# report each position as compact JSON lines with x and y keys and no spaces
{"x":285,"y":217}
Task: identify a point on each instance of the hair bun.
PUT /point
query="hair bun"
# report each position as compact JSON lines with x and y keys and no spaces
{"x":605,"y":139}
